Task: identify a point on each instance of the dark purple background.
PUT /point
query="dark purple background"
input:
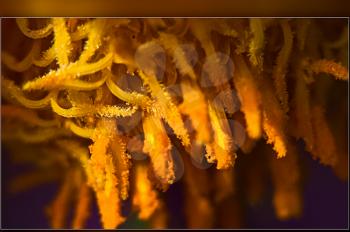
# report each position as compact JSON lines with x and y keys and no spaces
{"x":325,"y":204}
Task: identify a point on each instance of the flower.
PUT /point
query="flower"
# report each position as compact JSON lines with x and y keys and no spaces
{"x":89,"y":89}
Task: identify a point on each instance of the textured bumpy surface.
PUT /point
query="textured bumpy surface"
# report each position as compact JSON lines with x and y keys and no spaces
{"x":123,"y":108}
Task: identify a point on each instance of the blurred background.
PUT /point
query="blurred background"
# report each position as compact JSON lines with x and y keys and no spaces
{"x":325,"y":203}
{"x":180,"y":8}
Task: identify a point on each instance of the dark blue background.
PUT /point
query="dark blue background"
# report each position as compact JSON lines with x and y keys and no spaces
{"x":325,"y":204}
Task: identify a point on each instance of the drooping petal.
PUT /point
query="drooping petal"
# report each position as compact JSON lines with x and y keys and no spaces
{"x":145,"y":198}
{"x":158,"y":146}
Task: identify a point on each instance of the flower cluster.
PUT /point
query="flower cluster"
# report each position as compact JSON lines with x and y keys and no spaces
{"x":123,"y":108}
